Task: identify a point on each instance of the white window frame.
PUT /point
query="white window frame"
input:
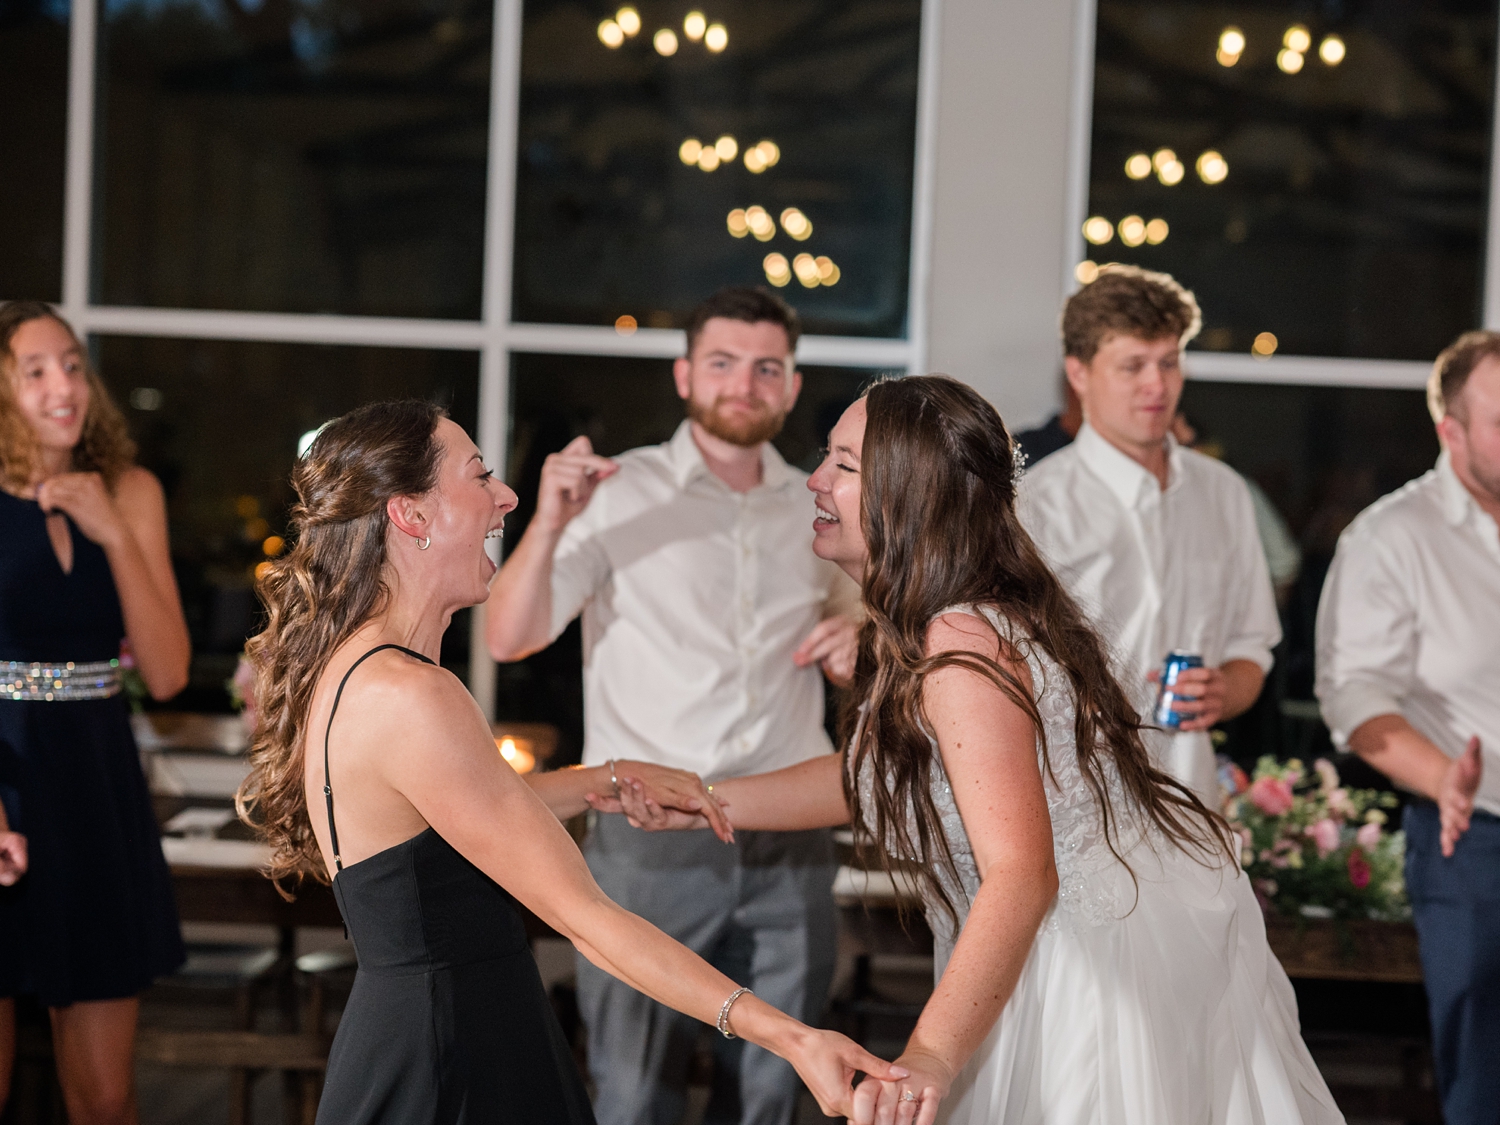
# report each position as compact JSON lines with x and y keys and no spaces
{"x":1233,"y":367}
{"x":494,"y":336}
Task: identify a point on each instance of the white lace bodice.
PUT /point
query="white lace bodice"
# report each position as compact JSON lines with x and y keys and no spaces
{"x":1094,"y":886}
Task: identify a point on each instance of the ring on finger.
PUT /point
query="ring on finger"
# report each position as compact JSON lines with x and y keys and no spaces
{"x":908,"y":1096}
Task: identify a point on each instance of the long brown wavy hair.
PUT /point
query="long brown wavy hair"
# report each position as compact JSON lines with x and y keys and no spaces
{"x":105,"y":447}
{"x":937,"y":507}
{"x":316,"y":595}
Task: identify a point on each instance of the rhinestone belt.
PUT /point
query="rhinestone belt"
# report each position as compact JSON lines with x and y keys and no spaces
{"x":52,"y":683}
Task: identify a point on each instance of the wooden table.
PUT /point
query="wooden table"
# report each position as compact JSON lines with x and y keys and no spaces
{"x":1357,"y":950}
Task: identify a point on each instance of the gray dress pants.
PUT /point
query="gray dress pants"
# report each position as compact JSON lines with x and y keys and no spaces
{"x":761,"y":911}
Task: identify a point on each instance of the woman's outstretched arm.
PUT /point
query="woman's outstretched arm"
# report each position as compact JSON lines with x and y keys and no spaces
{"x":448,"y":770}
{"x":989,"y":751}
{"x":568,"y":792}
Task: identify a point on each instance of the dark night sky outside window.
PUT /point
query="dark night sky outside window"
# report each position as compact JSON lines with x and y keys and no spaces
{"x":1352,"y":219}
{"x":609,"y":219}
{"x":293,"y":155}
{"x":33,"y":121}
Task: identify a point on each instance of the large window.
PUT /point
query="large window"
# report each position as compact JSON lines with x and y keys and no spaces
{"x":1318,"y":174}
{"x":264,"y":213}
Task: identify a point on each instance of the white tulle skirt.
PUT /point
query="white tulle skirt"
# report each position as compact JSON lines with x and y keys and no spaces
{"x":1176,"y":1014}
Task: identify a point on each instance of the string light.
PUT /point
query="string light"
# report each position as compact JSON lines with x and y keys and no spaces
{"x":1212,"y":167}
{"x":1098,"y":230}
{"x":716,"y":37}
{"x":1132,"y":230}
{"x":1231,"y":46}
{"x":796,"y":224}
{"x":1086,"y":272}
{"x":761,"y":156}
{"x":629,"y":20}
{"x":273,"y":546}
{"x":778,"y":271}
{"x":610,"y":34}
{"x":759,"y":220}
{"x":693,"y":25}
{"x":708,"y":159}
{"x":625,"y":325}
{"x":727,"y":148}
{"x":828,"y":273}
{"x":1172,"y":174}
{"x":1332,"y":50}
{"x":1297,"y":38}
{"x":1138,"y":167}
{"x":689,"y":151}
{"x":665,"y":42}
{"x":805,"y":266}
{"x":1265,"y":344}
{"x":739,"y":226}
{"x":1289,"y":61}
{"x":1156,"y":231}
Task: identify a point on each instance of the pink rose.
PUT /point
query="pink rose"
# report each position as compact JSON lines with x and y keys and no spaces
{"x":1368,"y":836}
{"x":1271,"y":796}
{"x":1340,"y":805}
{"x":1359,"y":869}
{"x":1325,"y":834}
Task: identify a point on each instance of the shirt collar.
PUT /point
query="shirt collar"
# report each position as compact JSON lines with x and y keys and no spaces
{"x":1126,"y":477}
{"x":687,"y":460}
{"x":1458,"y":506}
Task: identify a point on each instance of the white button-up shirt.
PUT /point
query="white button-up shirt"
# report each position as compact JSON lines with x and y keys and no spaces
{"x":1156,"y":570}
{"x":694,"y":598}
{"x":1409,"y":623}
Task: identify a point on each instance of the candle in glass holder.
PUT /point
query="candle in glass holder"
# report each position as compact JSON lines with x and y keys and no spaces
{"x":517,"y":753}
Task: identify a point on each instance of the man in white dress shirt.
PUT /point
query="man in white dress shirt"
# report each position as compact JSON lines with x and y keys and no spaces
{"x":1157,"y":543}
{"x":706,"y":618}
{"x":1409,"y":679}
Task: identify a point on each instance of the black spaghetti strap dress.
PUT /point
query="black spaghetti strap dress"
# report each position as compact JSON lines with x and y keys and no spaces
{"x":94,"y":917}
{"x":448,"y":1023}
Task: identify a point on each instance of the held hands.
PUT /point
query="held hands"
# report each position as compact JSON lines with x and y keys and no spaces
{"x":1210,"y":688}
{"x":1455,"y":799}
{"x":569,"y":478}
{"x":656,"y":797}
{"x":828,"y":1062}
{"x":912,"y":1100}
{"x":85,"y":499}
{"x":833,"y":643}
{"x":12,"y":858}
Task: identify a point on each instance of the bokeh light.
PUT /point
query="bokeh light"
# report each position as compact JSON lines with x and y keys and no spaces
{"x":796,"y":224}
{"x":693,"y":25}
{"x":759,"y":220}
{"x":1265,"y":344}
{"x":1156,"y":231}
{"x":805,"y":266}
{"x":629,"y":20}
{"x":1332,"y":50}
{"x":1171,"y":174}
{"x":1212,"y":167}
{"x":828,"y":273}
{"x":1098,"y":230}
{"x":273,"y":546}
{"x":1086,"y":272}
{"x":1132,"y":230}
{"x":1138,"y":167}
{"x":1289,"y":61}
{"x":716,"y":37}
{"x":708,"y":159}
{"x":665,"y":42}
{"x":625,"y":325}
{"x":610,"y":34}
{"x":739,"y":226}
{"x":1297,"y":38}
{"x":727,"y":148}
{"x":754,"y":161}
{"x":689,"y":151}
{"x":778,"y":270}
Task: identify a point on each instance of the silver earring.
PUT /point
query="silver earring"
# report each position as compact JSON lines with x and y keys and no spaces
{"x":423,"y":544}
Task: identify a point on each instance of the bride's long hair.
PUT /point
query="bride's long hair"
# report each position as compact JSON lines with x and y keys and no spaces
{"x":938,"y":510}
{"x":316,"y":595}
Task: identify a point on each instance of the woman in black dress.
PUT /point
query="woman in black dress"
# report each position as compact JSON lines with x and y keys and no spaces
{"x":84,"y":566}
{"x":425,"y":831}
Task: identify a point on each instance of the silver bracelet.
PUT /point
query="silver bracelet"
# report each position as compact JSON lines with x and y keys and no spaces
{"x":723,"y":1021}
{"x":612,"y":779}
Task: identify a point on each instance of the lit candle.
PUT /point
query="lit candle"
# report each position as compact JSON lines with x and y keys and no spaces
{"x":517,"y":753}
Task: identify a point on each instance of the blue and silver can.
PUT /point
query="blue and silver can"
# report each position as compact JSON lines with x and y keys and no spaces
{"x":1166,"y":692}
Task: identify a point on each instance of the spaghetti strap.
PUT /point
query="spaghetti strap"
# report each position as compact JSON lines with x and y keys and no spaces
{"x":333,"y":833}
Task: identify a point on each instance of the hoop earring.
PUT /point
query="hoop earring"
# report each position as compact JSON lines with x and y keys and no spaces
{"x":423,"y":544}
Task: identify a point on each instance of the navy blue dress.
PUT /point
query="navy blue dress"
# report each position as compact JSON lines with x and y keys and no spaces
{"x":94,"y":917}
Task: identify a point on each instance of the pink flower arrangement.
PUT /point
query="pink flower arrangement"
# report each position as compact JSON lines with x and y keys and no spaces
{"x":1312,"y":846}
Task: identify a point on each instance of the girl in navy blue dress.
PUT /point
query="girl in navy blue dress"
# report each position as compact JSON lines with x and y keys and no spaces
{"x":88,"y":921}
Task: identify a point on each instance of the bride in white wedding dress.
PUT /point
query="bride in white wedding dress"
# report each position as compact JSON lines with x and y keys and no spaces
{"x":1100,"y":956}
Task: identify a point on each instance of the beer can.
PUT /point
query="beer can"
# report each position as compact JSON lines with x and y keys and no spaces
{"x":1166,"y":691}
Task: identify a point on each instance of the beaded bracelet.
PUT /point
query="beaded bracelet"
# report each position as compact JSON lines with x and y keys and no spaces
{"x":723,"y":1021}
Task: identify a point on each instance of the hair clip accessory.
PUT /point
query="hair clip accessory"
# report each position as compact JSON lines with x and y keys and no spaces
{"x":1017,"y":459}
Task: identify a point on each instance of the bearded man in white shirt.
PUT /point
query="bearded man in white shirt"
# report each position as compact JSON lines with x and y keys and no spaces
{"x":706,"y":620}
{"x":1157,"y":543}
{"x":1409,"y":679}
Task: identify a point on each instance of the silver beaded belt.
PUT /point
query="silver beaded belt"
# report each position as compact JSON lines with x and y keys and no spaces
{"x":53,"y":683}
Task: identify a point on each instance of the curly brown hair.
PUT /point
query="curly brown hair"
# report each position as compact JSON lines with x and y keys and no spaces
{"x":105,"y":447}
{"x":937,"y":507}
{"x":1128,"y":301}
{"x":317,"y":595}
